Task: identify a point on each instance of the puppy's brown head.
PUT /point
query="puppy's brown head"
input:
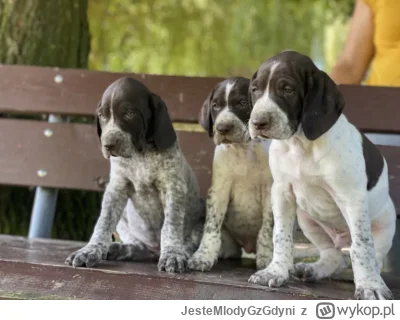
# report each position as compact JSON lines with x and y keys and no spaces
{"x":226,"y":111}
{"x":130,"y":118}
{"x":288,"y":92}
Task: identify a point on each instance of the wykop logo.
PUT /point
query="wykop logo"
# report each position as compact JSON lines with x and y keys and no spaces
{"x":325,"y":310}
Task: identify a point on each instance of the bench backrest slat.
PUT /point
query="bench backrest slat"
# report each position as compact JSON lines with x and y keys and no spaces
{"x":35,"y":90}
{"x":373,"y":109}
{"x":70,"y":156}
{"x":26,"y":89}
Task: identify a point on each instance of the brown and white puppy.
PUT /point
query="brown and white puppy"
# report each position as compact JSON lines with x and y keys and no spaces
{"x":324,"y":170}
{"x":238,"y":203}
{"x":152,"y":199}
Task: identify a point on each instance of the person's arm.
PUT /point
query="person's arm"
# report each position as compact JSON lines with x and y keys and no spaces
{"x":358,"y":50}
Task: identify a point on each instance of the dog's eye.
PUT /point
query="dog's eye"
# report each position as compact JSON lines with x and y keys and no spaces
{"x":288,"y":90}
{"x":254,"y":90}
{"x":215,"y":105}
{"x":129,"y":113}
{"x":243,"y":103}
{"x":101,"y":115}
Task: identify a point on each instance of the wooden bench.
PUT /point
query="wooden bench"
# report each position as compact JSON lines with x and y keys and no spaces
{"x":60,"y":154}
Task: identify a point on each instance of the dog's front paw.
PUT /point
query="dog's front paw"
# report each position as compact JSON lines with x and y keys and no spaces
{"x":201,"y":261}
{"x":307,"y":272}
{"x":114,"y":251}
{"x":272,"y":276}
{"x":373,"y":290}
{"x":88,"y":256}
{"x":173,"y":261}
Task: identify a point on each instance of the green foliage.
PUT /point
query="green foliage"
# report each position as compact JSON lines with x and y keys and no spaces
{"x":206,"y":37}
{"x":76,"y":214}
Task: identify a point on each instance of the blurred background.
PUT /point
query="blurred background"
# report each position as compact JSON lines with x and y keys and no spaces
{"x":188,"y":38}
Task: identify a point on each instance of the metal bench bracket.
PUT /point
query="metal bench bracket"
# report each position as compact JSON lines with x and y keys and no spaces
{"x":44,"y":206}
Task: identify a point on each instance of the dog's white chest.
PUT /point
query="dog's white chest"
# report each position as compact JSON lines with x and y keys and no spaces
{"x":306,"y":173}
{"x":317,"y":202}
{"x":251,"y":180}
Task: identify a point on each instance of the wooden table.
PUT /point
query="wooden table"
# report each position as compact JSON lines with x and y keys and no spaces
{"x":35,"y":269}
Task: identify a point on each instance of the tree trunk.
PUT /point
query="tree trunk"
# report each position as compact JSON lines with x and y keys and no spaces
{"x":52,"y":33}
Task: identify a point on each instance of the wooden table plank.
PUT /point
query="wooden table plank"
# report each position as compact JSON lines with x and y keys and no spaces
{"x":34,"y":269}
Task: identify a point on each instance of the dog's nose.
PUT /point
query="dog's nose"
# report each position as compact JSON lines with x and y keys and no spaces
{"x":224,"y":128}
{"x":109,"y":146}
{"x":260,"y":123}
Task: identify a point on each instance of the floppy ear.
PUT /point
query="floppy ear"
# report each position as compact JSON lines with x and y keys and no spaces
{"x":98,"y":122}
{"x":205,"y":119}
{"x":323,"y":105}
{"x":249,"y":94}
{"x":161,"y":130}
{"x":250,"y":98}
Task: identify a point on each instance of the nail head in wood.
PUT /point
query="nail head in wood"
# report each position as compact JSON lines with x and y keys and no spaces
{"x":58,"y":78}
{"x":42,"y":173}
{"x":48,"y":133}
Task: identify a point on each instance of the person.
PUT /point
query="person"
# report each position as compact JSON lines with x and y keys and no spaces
{"x":371,"y":53}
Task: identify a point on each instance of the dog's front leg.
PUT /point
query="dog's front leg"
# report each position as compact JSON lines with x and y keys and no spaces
{"x":172,"y":255}
{"x":217,"y":203}
{"x":264,"y":241}
{"x":368,"y":281}
{"x":284,"y":213}
{"x":113,"y":204}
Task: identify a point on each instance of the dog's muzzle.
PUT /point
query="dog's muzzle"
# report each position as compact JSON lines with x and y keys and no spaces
{"x":113,"y":145}
{"x":111,"y":149}
{"x":259,"y":124}
{"x":230,"y":132}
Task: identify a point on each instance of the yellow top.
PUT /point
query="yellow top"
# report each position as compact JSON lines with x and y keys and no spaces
{"x":385,"y":67}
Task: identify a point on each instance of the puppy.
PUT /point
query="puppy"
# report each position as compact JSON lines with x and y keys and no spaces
{"x":238,"y":201}
{"x":152,"y":198}
{"x":326,"y":171}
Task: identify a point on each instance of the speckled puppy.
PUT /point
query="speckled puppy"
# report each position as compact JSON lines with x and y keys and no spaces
{"x":152,"y":199}
{"x":238,"y":204}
